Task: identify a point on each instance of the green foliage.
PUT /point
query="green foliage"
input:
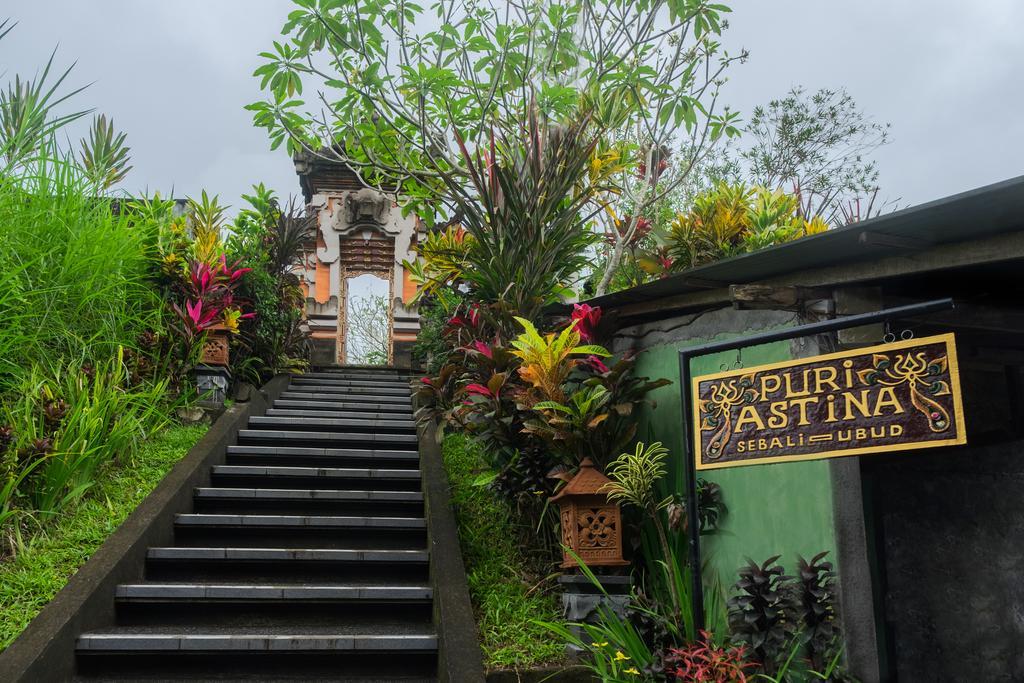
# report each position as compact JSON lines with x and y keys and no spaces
{"x":406,"y":87}
{"x":635,"y":477}
{"x":508,"y":586}
{"x":817,"y":144}
{"x":271,"y":242}
{"x":432,"y":349}
{"x":546,"y":360}
{"x":66,"y":423}
{"x":30,"y":579}
{"x":27,"y":113}
{"x":763,"y":613}
{"x":727,"y":220}
{"x":617,"y":650}
{"x":104,"y":155}
{"x":74,"y":273}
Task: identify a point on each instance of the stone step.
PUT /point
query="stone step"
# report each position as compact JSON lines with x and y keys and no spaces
{"x":241,"y":654}
{"x":342,"y":414}
{"x":341,"y":397}
{"x":348,"y":381}
{"x":299,"y":521}
{"x":288,"y":566}
{"x":311,"y":456}
{"x":399,"y":410}
{"x":286,"y":476}
{"x":251,"y":642}
{"x":364,"y":425}
{"x":308,"y":501}
{"x":360,"y":371}
{"x":302,"y":531}
{"x":320,"y":388}
{"x":325,"y":439}
{"x":211,"y":592}
{"x":309,"y":494}
{"x":288,"y":555}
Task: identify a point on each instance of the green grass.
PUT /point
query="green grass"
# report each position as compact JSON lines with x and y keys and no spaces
{"x":507,"y":592}
{"x":51,"y":557}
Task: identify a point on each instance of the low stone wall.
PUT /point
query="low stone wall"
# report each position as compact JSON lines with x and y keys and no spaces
{"x":572,"y":674}
{"x":45,"y":651}
{"x":459,"y":657}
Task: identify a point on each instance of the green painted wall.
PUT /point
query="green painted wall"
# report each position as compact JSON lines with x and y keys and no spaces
{"x":783,"y":508}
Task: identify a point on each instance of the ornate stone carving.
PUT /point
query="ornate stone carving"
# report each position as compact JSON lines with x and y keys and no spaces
{"x":366,"y":206}
{"x":591,"y":525}
{"x":215,"y":349}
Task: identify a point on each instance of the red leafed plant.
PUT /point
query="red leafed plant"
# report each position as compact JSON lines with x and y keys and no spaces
{"x":587,"y":317}
{"x":208,"y":294}
{"x":703,"y":661}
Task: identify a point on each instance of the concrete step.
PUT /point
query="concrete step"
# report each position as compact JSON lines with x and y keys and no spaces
{"x":288,"y":555}
{"x":311,"y":456}
{"x":228,"y":500}
{"x":288,"y":566}
{"x":325,"y":439}
{"x":300,"y":531}
{"x":398,"y":410}
{"x":277,"y":593}
{"x":341,"y":397}
{"x":360,"y":371}
{"x":281,"y":476}
{"x":364,"y":425}
{"x":239,"y":643}
{"x":254,"y":654}
{"x":380,"y":524}
{"x":405,"y":416}
{"x":300,"y":608}
{"x":349,"y":381}
{"x":320,"y":388}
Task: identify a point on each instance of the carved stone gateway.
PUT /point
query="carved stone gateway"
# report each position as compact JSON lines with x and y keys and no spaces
{"x":360,"y":231}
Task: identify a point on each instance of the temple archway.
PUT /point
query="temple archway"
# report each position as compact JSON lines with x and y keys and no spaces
{"x":360,"y":231}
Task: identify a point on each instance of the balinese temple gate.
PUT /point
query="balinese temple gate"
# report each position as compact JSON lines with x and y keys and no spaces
{"x":359,"y":231}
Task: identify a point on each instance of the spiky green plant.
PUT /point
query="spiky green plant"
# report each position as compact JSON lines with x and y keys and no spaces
{"x":104,"y":154}
{"x":27,"y":106}
{"x":207,"y":217}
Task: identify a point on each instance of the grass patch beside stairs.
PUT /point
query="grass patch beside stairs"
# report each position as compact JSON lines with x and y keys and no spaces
{"x":507,"y":593}
{"x":31,"y":578}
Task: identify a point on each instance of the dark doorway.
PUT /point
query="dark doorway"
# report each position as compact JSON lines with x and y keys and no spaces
{"x":947,"y":531}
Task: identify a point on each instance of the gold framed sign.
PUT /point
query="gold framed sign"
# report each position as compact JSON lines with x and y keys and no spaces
{"x":899,"y":396}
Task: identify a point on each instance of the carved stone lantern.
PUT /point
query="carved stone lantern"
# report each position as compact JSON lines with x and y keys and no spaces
{"x":215,"y":349}
{"x":212,"y":374}
{"x":591,"y":524}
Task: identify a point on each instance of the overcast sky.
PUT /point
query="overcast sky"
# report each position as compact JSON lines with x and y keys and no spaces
{"x":175,"y":75}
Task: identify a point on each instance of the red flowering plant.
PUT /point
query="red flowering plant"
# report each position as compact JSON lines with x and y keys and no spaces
{"x":538,"y":403}
{"x":705,"y":662}
{"x":208,"y":299}
{"x":587,"y":409}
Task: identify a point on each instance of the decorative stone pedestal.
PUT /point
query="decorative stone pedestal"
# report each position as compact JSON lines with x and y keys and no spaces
{"x":212,"y":381}
{"x":581,"y":598}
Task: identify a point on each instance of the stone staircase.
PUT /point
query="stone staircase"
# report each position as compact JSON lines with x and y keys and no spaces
{"x":304,"y":559}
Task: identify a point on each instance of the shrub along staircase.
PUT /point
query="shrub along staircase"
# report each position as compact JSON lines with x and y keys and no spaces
{"x":306,"y":558}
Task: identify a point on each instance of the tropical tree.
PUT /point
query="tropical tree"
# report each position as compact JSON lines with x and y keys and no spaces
{"x":366,"y":322}
{"x":819,"y":146}
{"x":427,"y":106}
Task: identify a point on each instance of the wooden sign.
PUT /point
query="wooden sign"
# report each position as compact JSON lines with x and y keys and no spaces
{"x":899,"y":396}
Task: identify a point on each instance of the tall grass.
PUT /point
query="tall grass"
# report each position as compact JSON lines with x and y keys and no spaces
{"x":73,"y":271}
{"x":67,"y":423}
{"x":77,"y":293}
